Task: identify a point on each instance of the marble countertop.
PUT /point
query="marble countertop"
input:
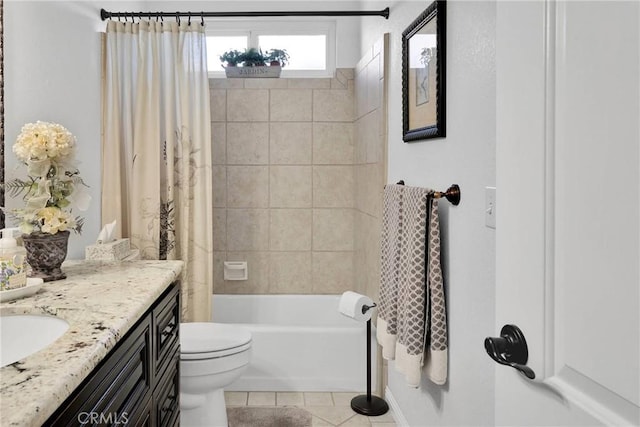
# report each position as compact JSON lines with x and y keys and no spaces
{"x":101,"y":301}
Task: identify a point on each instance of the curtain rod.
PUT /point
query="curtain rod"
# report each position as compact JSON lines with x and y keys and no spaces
{"x":106,"y":15}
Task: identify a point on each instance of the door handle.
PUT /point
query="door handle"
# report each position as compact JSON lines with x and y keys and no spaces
{"x":510,"y":349}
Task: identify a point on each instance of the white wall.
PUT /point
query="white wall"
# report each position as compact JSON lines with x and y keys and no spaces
{"x":466,"y":157}
{"x":52,"y":73}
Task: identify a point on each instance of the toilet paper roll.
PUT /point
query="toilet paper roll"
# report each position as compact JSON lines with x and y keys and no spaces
{"x":351,"y":304}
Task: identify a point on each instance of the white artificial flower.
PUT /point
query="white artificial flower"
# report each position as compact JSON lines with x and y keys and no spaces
{"x":43,"y":140}
{"x":48,"y":149}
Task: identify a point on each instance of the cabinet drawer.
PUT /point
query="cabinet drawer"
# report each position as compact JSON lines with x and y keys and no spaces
{"x":142,"y":417}
{"x":166,"y":320}
{"x":167,"y":398}
{"x":118,"y":386}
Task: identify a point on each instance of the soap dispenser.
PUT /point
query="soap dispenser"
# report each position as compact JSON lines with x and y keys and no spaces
{"x":12,"y":261}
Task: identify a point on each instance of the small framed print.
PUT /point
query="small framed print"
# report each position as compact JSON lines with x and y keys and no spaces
{"x":424,"y":76}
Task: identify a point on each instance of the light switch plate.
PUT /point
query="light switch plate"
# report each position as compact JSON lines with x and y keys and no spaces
{"x":490,"y":207}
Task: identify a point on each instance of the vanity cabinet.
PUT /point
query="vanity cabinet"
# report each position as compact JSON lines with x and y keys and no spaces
{"x":166,"y":360}
{"x":137,"y":383}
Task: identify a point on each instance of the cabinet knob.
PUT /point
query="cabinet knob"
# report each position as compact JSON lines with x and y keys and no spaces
{"x":169,"y":329}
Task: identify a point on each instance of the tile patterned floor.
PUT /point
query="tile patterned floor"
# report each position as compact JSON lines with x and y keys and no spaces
{"x":326,"y":409}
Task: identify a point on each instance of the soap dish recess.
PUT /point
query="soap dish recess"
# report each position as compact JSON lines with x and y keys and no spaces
{"x":236,"y":270}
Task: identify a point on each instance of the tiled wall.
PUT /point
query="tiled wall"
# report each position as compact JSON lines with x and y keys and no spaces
{"x":370,"y":166}
{"x":284,"y":183}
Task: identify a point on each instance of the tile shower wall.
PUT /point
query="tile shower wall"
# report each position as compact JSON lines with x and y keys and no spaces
{"x":284,"y":177}
{"x":370,"y":165}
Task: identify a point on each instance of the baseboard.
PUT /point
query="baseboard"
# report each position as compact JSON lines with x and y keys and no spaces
{"x":398,"y":416}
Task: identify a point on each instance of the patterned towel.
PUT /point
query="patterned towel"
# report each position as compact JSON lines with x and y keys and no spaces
{"x":437,"y":358}
{"x":386,"y":329}
{"x":406,"y":324}
{"x":411,"y":285}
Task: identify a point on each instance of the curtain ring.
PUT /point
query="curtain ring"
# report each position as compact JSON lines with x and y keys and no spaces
{"x":202,"y":18}
{"x":189,"y":21}
{"x":178,"y":17}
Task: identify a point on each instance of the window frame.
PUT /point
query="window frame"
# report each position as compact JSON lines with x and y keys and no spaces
{"x":254,"y":29}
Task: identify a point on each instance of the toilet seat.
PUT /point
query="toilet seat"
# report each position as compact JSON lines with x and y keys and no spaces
{"x":204,"y":340}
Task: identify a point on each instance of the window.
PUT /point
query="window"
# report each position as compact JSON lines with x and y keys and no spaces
{"x":311,"y":45}
{"x":305,"y":52}
{"x":217,"y":45}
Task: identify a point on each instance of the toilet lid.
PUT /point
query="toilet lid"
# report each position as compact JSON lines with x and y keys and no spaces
{"x":211,"y":337}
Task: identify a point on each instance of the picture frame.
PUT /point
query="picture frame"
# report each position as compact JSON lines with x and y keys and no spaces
{"x":424,"y":75}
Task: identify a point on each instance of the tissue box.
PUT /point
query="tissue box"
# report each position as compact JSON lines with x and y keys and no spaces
{"x":112,"y":251}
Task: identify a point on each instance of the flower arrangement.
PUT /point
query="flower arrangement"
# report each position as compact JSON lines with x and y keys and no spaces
{"x":48,"y":151}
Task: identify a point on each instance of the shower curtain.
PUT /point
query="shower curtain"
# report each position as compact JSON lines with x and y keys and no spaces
{"x":156,"y":149}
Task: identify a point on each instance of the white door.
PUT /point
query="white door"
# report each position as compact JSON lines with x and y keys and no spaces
{"x":568,"y":214}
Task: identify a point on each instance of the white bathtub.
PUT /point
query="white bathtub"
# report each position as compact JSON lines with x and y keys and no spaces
{"x":300,"y":343}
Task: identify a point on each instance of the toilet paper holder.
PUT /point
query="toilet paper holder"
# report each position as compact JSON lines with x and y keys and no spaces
{"x":367,"y":404}
{"x":366,"y":308}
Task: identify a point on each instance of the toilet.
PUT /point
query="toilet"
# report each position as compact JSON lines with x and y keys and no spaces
{"x":212,"y":356}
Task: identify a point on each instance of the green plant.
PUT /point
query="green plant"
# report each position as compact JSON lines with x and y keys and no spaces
{"x":231,"y":57}
{"x":279,"y":56}
{"x":253,"y":58}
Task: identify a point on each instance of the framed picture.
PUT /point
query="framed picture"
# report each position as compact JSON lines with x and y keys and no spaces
{"x":424,"y":75}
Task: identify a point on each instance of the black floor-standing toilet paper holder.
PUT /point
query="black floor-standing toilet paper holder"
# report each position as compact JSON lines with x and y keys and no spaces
{"x":366,"y":404}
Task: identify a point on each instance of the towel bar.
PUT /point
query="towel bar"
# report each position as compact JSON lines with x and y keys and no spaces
{"x":452,"y":194}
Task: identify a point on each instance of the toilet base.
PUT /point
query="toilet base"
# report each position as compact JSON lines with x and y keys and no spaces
{"x":212,"y":412}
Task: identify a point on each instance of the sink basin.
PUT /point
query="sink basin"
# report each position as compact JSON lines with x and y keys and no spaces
{"x":24,"y":334}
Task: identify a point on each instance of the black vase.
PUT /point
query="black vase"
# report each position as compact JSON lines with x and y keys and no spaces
{"x":46,"y":253}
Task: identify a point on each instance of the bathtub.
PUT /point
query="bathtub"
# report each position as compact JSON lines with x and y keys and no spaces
{"x":300,"y":343}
